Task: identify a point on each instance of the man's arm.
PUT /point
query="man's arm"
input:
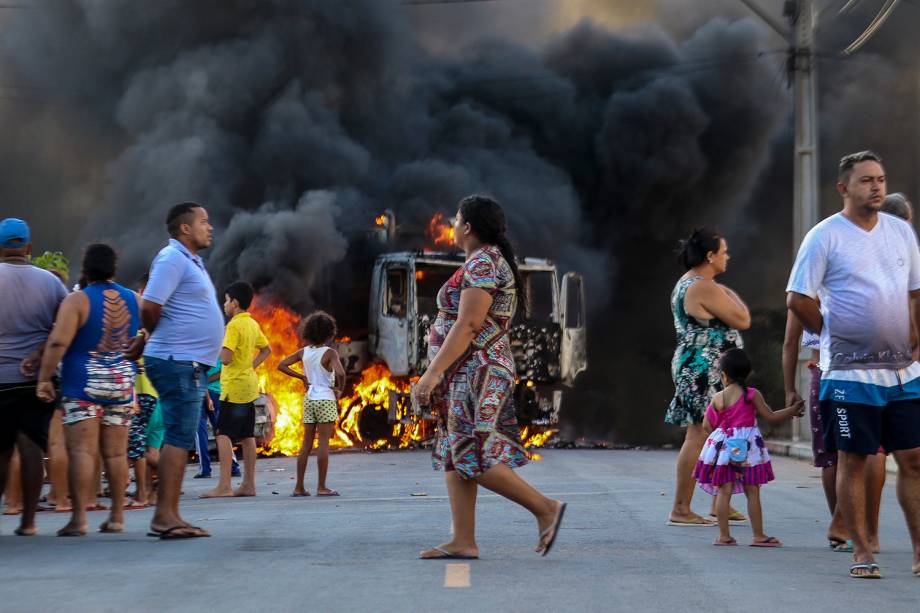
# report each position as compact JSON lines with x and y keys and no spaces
{"x":150,"y":317}
{"x":914,"y":321}
{"x":791,"y":343}
{"x":806,"y":310}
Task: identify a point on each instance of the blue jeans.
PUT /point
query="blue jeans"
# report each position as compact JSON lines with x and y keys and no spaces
{"x":204,"y":461}
{"x":181,"y":386}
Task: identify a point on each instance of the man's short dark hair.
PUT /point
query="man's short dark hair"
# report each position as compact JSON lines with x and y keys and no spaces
{"x":847,"y":162}
{"x":318,"y":328}
{"x":178,"y":215}
{"x":242,"y":292}
{"x":99,"y":263}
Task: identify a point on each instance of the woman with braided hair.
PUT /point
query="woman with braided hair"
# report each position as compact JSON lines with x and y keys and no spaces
{"x":470,"y":382}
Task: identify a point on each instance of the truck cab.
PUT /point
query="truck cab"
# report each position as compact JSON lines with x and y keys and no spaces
{"x":548,"y":344}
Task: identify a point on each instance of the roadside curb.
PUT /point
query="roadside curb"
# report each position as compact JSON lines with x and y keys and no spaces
{"x":801,"y":450}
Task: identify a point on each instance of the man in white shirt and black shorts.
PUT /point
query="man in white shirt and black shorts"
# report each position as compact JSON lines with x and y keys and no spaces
{"x":864,"y":270}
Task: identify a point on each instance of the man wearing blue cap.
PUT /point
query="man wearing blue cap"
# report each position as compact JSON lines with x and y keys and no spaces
{"x":29,"y":300}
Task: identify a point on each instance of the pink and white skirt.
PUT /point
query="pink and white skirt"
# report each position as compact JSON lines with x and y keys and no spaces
{"x":714,"y":468}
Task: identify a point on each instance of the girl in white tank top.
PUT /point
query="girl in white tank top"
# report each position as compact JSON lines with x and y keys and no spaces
{"x":321,"y":380}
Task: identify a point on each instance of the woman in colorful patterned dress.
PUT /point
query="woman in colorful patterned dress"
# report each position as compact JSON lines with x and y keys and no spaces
{"x":470,"y":382}
{"x":707,"y":317}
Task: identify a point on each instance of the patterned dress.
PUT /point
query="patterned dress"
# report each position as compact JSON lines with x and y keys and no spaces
{"x":695,"y":366}
{"x":477,"y":425}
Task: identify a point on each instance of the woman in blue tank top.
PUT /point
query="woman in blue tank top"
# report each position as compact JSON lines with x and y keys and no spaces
{"x":91,"y":332}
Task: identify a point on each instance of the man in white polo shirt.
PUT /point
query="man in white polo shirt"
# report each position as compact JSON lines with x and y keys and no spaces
{"x":864,"y":269}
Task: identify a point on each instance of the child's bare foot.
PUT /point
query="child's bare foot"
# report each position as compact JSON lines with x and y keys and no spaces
{"x":217,"y":492}
{"x":245,"y":491}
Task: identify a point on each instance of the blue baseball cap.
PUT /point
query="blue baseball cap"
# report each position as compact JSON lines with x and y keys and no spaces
{"x":13,"y":233}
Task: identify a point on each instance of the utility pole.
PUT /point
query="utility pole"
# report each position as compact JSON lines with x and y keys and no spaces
{"x":803,"y":69}
{"x":802,"y":73}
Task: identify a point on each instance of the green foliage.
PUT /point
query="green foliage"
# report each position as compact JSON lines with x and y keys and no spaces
{"x":53,"y":261}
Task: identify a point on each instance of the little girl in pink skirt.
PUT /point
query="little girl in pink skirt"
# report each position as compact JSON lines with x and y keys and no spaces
{"x":734,"y":458}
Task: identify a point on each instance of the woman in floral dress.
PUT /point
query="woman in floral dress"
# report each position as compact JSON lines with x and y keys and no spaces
{"x":470,"y":382}
{"x":707,"y":317}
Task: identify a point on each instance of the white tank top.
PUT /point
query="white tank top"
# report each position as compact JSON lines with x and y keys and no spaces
{"x":320,"y":379}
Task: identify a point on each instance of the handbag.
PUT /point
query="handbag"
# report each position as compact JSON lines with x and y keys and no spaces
{"x":737,"y":449}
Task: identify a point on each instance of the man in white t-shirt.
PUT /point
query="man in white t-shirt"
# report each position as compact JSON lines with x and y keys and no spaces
{"x":864,"y":270}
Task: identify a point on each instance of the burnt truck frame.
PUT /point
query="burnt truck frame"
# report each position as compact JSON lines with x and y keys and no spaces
{"x":549,"y":344}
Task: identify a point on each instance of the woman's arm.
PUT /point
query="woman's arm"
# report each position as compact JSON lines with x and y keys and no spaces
{"x":66,"y":324}
{"x":474,"y":306}
{"x":722,"y":302}
{"x":772,"y":417}
{"x":285,"y":366}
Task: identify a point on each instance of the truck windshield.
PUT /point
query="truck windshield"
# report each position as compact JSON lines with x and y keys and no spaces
{"x":540,"y":285}
{"x":428,"y":281}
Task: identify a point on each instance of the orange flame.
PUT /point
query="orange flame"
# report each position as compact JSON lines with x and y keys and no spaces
{"x":380,"y":220}
{"x":440,"y":231}
{"x":370,"y":393}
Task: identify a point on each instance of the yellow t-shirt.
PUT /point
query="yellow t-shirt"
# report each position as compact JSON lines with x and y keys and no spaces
{"x":142,"y":384}
{"x":238,"y":380}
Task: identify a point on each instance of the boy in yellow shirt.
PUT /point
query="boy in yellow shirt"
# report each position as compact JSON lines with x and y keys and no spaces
{"x":245,"y":348}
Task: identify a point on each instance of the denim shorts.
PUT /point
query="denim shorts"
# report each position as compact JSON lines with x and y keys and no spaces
{"x":181,"y":386}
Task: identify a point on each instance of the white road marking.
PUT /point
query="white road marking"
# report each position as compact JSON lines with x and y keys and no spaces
{"x":457,"y":575}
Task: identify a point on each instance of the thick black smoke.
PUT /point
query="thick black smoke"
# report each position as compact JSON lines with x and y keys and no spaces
{"x":296,"y":122}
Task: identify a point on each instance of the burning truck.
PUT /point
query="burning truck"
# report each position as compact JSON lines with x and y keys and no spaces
{"x":384,"y":353}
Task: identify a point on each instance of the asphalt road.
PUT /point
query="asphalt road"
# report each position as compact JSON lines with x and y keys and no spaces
{"x":358,"y":552}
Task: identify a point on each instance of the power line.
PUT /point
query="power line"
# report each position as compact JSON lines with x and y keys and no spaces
{"x":423,"y":2}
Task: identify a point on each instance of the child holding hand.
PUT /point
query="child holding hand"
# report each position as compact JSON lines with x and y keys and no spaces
{"x":734,"y":457}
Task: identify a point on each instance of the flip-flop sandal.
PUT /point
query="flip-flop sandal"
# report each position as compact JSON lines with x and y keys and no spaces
{"x":21,"y":532}
{"x":729,"y":543}
{"x":446,"y":555}
{"x":874,"y":571}
{"x":105,"y":529}
{"x":303,"y":495}
{"x":99,"y":506}
{"x":330,"y":493}
{"x":840,"y":546}
{"x":135,"y":506}
{"x":915,"y":570}
{"x":735,"y":518}
{"x":771,"y":541}
{"x":696,"y":521}
{"x":555,"y":528}
{"x":176,"y":533}
{"x":45,"y":508}
{"x":72,"y":532}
